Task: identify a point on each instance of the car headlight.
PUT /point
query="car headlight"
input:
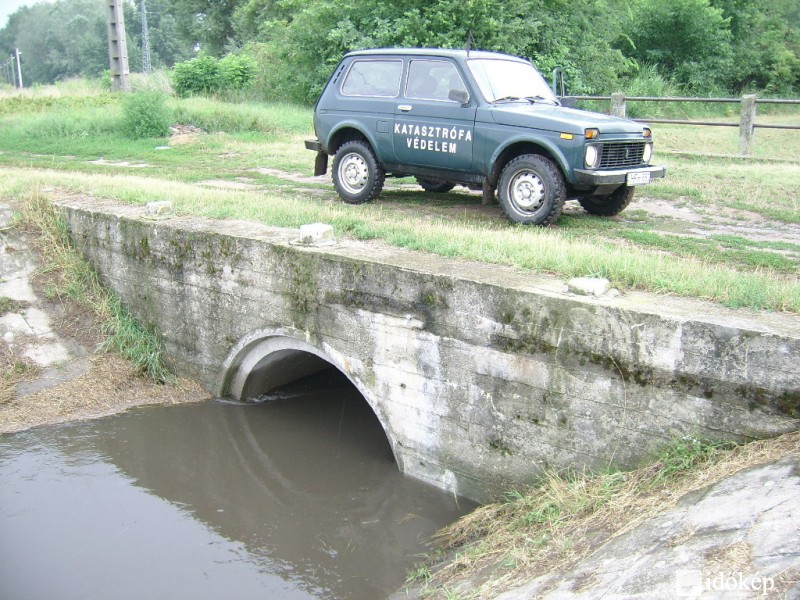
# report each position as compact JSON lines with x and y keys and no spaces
{"x":648,"y":153}
{"x":591,"y":156}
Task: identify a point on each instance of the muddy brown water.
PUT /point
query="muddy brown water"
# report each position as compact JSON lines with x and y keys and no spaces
{"x":294,"y":498}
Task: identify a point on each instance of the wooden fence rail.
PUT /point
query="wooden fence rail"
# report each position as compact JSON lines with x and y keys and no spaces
{"x":747,"y":120}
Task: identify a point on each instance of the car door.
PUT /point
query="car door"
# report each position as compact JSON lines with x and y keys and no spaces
{"x":430,"y":129}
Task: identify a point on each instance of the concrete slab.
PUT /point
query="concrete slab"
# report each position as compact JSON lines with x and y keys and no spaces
{"x":738,"y":538}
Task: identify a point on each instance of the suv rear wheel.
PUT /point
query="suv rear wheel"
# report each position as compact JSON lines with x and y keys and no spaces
{"x":357,"y":175}
{"x":607,"y":206}
{"x":435,"y":185}
{"x":531,"y":190}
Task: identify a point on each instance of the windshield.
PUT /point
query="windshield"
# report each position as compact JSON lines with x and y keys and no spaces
{"x":501,"y":79}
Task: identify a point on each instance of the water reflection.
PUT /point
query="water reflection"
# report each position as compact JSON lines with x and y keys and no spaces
{"x":295,"y":498}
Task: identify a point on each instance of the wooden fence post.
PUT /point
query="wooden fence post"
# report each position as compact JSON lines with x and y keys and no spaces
{"x":747,"y":125}
{"x":618,"y":108}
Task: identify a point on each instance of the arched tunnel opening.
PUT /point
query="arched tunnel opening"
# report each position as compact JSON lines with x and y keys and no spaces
{"x":325,"y":419}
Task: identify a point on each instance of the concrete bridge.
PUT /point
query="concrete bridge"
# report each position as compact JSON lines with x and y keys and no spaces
{"x":480,"y":375}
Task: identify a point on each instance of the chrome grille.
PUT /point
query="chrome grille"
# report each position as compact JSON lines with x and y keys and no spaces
{"x":618,"y":155}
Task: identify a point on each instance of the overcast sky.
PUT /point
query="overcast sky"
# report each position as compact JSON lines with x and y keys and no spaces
{"x":9,"y":6}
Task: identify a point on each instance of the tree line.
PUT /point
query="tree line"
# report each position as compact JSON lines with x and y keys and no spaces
{"x":698,"y":47}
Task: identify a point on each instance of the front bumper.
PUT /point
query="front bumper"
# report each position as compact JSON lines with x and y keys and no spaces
{"x":619,"y":176}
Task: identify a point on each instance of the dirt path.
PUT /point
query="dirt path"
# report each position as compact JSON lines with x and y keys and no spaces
{"x":50,"y":368}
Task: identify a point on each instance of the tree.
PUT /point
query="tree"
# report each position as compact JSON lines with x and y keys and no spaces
{"x":166,"y":45}
{"x":203,"y":24}
{"x":765,"y":43}
{"x":63,"y":39}
{"x":304,"y":46}
{"x":687,"y":40}
{"x":578,"y":36}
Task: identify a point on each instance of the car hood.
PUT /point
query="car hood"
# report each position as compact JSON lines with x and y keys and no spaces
{"x":559,"y":118}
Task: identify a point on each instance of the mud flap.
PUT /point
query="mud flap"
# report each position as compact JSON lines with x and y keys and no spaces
{"x":320,"y":164}
{"x":488,"y":192}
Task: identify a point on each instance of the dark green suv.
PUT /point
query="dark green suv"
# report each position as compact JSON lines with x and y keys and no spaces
{"x":480,"y":119}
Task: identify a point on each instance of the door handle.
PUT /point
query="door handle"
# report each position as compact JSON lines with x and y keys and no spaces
{"x":405,"y":107}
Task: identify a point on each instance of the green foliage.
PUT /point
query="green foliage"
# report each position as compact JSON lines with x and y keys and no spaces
{"x":237,"y":72}
{"x":58,"y":40}
{"x":215,"y":115}
{"x":684,"y":455}
{"x":206,"y":75}
{"x":688,"y":40}
{"x":167,"y":45}
{"x":765,"y":43}
{"x":78,"y":281}
{"x":76,"y":120}
{"x":699,"y":46}
{"x":139,"y":345}
{"x":63,"y":104}
{"x":298,"y":51}
{"x":197,"y":76}
{"x":145,"y":115}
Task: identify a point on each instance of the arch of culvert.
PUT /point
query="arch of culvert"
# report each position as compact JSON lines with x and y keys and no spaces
{"x":269,"y":358}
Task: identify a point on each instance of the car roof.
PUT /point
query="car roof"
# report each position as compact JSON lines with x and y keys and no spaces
{"x":439,"y":52}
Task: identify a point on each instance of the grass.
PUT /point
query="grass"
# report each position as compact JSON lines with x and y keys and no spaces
{"x":8,"y":305}
{"x":55,"y":144}
{"x":569,"y":515}
{"x":75,"y":279}
{"x":549,"y":251}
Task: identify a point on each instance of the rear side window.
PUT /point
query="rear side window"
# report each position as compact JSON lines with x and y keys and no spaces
{"x":373,"y":78}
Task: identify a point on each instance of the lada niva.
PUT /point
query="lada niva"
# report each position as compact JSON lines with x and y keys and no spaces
{"x":480,"y":119}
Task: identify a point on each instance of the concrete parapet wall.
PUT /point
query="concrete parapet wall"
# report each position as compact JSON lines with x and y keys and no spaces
{"x":480,"y":375}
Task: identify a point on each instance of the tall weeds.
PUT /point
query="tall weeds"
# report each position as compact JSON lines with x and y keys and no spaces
{"x":72,"y":277}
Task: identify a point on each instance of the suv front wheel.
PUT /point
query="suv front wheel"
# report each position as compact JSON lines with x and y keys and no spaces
{"x":357,"y":175}
{"x":531,"y":190}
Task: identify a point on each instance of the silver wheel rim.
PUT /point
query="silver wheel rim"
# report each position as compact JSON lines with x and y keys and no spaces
{"x":353,"y":173}
{"x":526,"y":191}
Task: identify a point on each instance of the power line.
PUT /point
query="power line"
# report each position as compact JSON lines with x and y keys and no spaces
{"x":7,"y":72}
{"x":12,"y":69}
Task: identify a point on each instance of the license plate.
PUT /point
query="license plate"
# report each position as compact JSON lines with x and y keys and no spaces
{"x":639,"y":178}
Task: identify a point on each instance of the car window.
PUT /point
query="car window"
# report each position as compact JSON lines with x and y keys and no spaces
{"x":433,"y":80}
{"x":373,"y":78}
{"x":498,"y":79}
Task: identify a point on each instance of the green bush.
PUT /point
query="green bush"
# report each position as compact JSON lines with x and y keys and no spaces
{"x":237,"y":72}
{"x":145,"y":115}
{"x":206,"y":75}
{"x":197,"y":76}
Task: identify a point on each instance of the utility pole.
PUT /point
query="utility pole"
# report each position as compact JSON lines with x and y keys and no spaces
{"x":19,"y":68}
{"x":145,"y":40}
{"x":118,"y":47}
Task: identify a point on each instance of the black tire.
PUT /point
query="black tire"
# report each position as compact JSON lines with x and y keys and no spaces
{"x":357,"y":176}
{"x":608,"y":206}
{"x":531,"y":190}
{"x":435,"y":185}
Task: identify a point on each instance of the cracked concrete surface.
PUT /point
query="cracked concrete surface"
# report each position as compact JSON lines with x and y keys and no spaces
{"x":26,"y":328}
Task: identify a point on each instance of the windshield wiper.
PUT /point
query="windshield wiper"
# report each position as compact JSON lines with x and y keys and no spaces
{"x":531,"y":99}
{"x":535,"y":99}
{"x":507,"y":99}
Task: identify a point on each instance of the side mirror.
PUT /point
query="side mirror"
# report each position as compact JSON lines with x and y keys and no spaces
{"x":569,"y":101}
{"x":460,"y":96}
